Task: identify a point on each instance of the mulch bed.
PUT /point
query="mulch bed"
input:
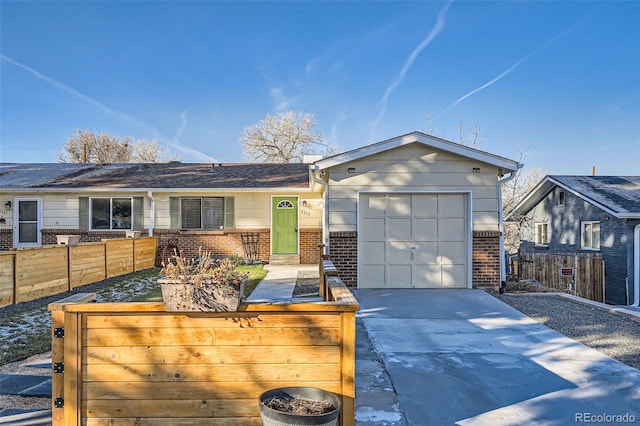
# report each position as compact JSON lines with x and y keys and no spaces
{"x":299,"y":406}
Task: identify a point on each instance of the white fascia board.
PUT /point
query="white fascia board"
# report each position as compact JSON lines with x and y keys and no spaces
{"x":423,"y":139}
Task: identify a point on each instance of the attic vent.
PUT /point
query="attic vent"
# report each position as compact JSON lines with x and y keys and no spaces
{"x":351,"y":170}
{"x":215,"y":166}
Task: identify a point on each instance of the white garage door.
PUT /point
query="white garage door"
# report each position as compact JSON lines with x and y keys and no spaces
{"x":413,"y":240}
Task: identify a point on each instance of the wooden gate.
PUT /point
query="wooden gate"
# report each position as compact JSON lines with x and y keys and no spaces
{"x":581,"y":274}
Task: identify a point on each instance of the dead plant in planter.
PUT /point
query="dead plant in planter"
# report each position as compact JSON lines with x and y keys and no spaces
{"x":201,"y":284}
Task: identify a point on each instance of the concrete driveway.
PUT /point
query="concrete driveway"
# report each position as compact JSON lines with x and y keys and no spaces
{"x":463,"y":357}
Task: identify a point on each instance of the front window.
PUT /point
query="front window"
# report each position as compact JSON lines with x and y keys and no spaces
{"x":111,"y":213}
{"x":202,"y":213}
{"x":542,"y":233}
{"x":591,"y":235}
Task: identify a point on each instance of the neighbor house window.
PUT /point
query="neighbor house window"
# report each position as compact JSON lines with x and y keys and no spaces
{"x":111,"y":213}
{"x":561,"y":197}
{"x":542,"y":233}
{"x":590,"y":235}
{"x":196,"y":213}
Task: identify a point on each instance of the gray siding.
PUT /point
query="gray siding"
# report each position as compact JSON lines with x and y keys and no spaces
{"x":616,"y":238}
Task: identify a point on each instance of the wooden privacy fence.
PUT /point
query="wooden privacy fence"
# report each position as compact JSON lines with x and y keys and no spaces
{"x":32,"y":273}
{"x":582,"y":274}
{"x":135,"y":363}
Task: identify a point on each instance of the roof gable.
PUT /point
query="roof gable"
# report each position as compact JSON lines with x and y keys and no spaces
{"x":617,"y":195}
{"x":420,"y":138}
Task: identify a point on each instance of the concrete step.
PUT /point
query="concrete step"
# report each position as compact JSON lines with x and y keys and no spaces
{"x":284,"y":259}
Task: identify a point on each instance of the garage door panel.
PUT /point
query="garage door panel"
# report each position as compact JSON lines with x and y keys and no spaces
{"x":398,"y":229}
{"x":425,"y":205}
{"x":373,"y":205}
{"x":373,"y":252}
{"x":398,"y":251}
{"x":425,"y":229}
{"x":452,"y":252}
{"x":399,"y":276}
{"x":426,"y":252}
{"x":454,"y":276}
{"x":399,"y":205}
{"x":372,"y":229}
{"x":426,"y":276}
{"x":451,"y":204}
{"x":451,"y":229}
{"x":372,"y":276}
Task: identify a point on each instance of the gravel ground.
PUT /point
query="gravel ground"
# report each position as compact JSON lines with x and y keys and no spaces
{"x":612,"y":334}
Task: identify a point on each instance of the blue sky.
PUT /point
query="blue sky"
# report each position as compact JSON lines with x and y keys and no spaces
{"x":557,"y":80}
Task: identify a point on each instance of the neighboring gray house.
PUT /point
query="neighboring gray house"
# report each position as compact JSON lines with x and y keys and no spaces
{"x":411,"y":211}
{"x":582,"y":214}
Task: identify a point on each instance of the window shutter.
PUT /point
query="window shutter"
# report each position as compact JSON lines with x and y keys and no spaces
{"x":138,"y":212}
{"x":174,"y":212}
{"x":229,"y":212}
{"x":83,"y":212}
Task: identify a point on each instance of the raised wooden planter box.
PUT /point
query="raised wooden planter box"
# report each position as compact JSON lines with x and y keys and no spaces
{"x":136,"y":363}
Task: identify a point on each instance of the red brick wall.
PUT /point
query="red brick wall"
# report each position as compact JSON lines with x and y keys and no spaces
{"x":486,"y":259}
{"x":309,"y":240}
{"x":343,"y":252}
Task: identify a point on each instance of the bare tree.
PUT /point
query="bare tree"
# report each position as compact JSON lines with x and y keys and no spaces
{"x":472,"y":138}
{"x":513,"y":192}
{"x":87,"y":146}
{"x":284,"y":138}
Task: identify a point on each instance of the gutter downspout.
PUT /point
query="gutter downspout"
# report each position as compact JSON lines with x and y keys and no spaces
{"x":636,"y":266}
{"x":325,"y":208}
{"x":152,"y":214}
{"x":503,"y":275}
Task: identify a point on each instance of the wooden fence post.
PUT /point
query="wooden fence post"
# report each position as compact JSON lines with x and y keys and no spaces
{"x":57,"y":353}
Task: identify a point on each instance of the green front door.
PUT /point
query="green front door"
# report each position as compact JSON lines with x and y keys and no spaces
{"x":284,"y":226}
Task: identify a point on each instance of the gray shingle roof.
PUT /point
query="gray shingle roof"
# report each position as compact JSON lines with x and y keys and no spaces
{"x":621,"y":194}
{"x":174,"y":175}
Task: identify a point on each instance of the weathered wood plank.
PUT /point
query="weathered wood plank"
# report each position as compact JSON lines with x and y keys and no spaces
{"x":210,"y":320}
{"x":172,"y":421}
{"x":175,"y":390}
{"x":181,"y":408}
{"x":212,"y":336}
{"x":119,"y":255}
{"x":191,"y":372}
{"x":144,"y":253}
{"x":208,"y":354}
{"x":41,"y":272}
{"x":7,"y":272}
{"x":87,"y":264}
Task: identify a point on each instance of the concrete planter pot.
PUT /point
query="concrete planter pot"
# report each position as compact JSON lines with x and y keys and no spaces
{"x":184,"y":296}
{"x":273,"y":417}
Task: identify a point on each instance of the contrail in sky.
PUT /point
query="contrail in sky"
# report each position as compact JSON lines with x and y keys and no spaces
{"x":437,"y":28}
{"x":489,"y":83}
{"x":508,"y":70}
{"x":126,"y":117}
{"x":64,"y":87}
